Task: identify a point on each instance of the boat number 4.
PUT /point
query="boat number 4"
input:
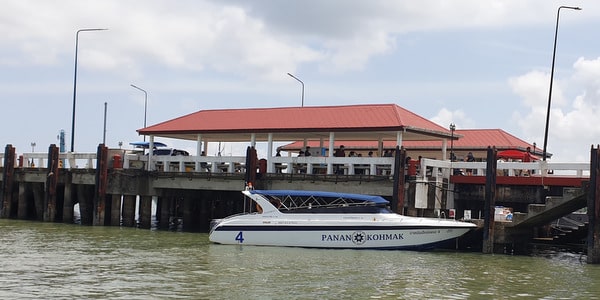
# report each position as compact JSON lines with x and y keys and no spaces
{"x":239,"y":237}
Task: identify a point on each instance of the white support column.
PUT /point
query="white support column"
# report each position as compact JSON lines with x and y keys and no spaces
{"x":444,"y":149}
{"x":399,"y":138}
{"x":253,"y":140}
{"x":150,"y":166}
{"x":331,"y":150}
{"x":270,"y":165}
{"x":198,"y":144}
{"x":197,"y":167}
{"x":321,"y":144}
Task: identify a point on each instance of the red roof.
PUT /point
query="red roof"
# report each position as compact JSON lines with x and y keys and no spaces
{"x":478,"y":139}
{"x":357,"y":121}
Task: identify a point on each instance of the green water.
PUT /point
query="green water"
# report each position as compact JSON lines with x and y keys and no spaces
{"x":58,"y":261}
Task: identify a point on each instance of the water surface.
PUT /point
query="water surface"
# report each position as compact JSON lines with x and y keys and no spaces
{"x":61,"y":261}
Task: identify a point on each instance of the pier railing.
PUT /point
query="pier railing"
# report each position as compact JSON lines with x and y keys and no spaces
{"x":218,"y":164}
{"x":439,"y":168}
{"x":309,"y":165}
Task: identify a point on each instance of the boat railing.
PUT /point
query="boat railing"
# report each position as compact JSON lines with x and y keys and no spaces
{"x":312,"y":202}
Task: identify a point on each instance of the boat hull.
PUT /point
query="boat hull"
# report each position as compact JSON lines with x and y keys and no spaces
{"x":342,"y":237}
{"x":331,"y":220}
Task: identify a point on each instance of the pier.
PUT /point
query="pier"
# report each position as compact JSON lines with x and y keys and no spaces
{"x":108,"y":188}
{"x":514,"y":203}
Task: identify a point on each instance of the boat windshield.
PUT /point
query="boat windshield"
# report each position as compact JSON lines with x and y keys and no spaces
{"x":325,"y":204}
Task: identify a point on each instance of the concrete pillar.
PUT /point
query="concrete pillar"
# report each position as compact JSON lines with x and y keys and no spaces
{"x":22,"y":206}
{"x":128,"y":214}
{"x":146,"y":212}
{"x":85,"y":198}
{"x":115,"y":210}
{"x":100,"y":211}
{"x":205,"y":211}
{"x":38,"y":200}
{"x":68,"y":201}
{"x":163,"y":212}
{"x":191,"y":214}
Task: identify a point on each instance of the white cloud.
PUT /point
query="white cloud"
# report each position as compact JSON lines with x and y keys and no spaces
{"x":204,"y":53}
{"x":573,"y":120}
{"x":457,"y":117}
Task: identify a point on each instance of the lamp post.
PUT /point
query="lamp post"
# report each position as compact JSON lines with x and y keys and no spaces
{"x":104,"y":129}
{"x":75,"y":83}
{"x":33,"y":147}
{"x":551,"y":79}
{"x":145,"y":103}
{"x":302,"y":86}
{"x":452,"y":128}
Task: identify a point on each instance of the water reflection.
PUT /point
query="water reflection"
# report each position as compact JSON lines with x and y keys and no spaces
{"x":44,"y":260}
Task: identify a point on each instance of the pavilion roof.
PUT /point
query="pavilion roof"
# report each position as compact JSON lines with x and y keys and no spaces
{"x":355,"y":122}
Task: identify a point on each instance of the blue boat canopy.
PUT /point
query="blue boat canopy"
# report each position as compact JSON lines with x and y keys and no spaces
{"x":297,"y":193}
{"x":146,"y":145}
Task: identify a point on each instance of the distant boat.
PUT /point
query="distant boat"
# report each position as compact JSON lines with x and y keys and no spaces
{"x":330,"y":220}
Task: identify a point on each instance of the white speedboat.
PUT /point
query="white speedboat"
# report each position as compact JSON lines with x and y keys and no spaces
{"x":330,"y":220}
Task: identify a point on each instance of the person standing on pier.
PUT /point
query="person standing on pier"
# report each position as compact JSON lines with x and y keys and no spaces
{"x":470,"y":158}
{"x":340,"y":152}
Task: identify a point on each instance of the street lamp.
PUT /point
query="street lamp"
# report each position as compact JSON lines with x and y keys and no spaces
{"x":145,"y":104}
{"x":452,"y":128}
{"x":104,"y":130}
{"x":75,"y":83}
{"x":33,"y":147}
{"x":551,"y":77}
{"x":302,"y":86}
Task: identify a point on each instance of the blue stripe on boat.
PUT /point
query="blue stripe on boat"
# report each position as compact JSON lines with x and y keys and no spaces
{"x":326,"y":228}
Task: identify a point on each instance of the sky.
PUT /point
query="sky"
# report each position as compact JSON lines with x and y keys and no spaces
{"x":475,"y":63}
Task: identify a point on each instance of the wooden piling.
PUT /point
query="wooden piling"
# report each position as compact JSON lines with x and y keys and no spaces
{"x":397,"y":204}
{"x":50,"y":211}
{"x":593,"y":206}
{"x":101,"y":183}
{"x":489,"y":201}
{"x":6,"y":201}
{"x":251,"y":164}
